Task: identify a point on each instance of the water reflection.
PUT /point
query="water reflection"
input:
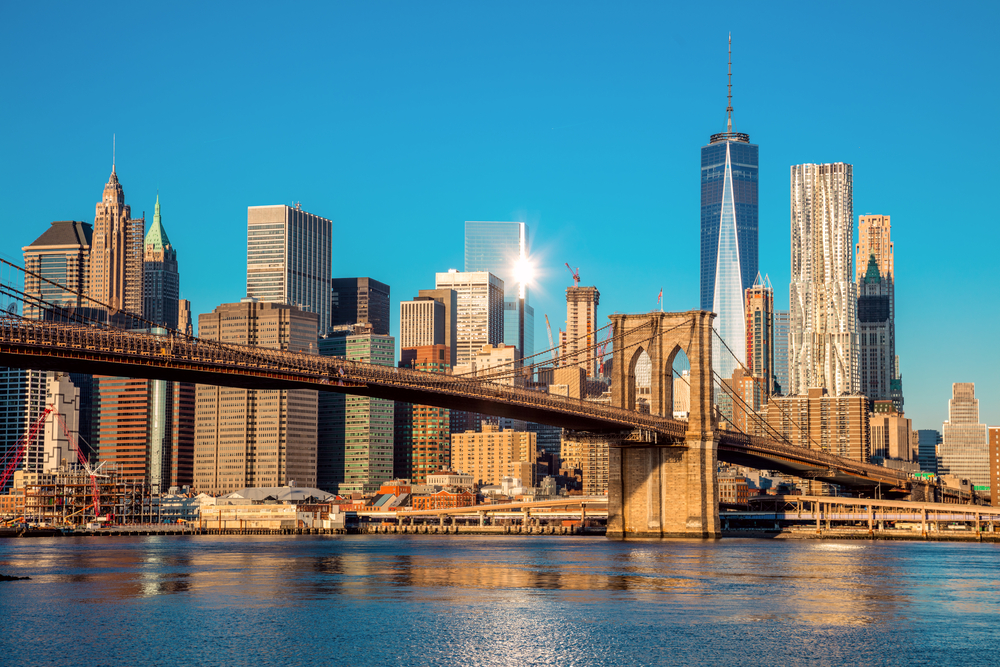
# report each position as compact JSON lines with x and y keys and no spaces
{"x":541,"y":599}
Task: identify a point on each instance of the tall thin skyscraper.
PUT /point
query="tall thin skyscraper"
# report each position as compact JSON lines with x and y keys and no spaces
{"x":823,"y":349}
{"x":577,"y":343}
{"x":965,"y":444}
{"x":781,"y":332}
{"x":760,"y":334}
{"x":161,"y":281}
{"x":116,"y":252}
{"x":289,"y":258}
{"x":728,"y":234}
{"x":876,"y":334}
{"x":502,"y":249}
{"x":878,"y":365}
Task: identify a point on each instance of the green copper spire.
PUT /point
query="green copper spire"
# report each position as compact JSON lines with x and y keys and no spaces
{"x":872,"y":275}
{"x":156,"y":237}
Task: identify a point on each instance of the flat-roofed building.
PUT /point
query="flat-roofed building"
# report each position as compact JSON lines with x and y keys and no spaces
{"x":289,"y":258}
{"x":487,"y":455}
{"x":835,"y":424}
{"x":964,"y":448}
{"x":480,"y":310}
{"x":256,"y":437}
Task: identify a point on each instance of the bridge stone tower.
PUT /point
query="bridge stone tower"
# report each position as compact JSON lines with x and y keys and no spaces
{"x":656,"y":488}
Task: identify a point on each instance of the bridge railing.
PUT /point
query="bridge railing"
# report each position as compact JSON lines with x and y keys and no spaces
{"x":860,"y":468}
{"x":309,"y":367}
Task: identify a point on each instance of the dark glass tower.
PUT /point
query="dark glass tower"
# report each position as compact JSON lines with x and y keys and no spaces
{"x":728,"y":234}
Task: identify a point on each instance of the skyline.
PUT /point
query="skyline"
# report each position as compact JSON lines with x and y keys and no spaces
{"x":578,"y":159}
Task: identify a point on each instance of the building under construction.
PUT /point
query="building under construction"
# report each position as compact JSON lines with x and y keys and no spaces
{"x":73,"y":495}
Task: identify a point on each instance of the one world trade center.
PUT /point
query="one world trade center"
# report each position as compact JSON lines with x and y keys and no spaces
{"x":728,"y":236}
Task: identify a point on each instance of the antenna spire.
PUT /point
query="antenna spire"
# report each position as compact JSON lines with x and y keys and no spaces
{"x":729,"y":107}
{"x":113,"y":146}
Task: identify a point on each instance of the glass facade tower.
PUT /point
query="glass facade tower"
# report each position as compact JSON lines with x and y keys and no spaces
{"x":728,"y":239}
{"x":501,"y":248}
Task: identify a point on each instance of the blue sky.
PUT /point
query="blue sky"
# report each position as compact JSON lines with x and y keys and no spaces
{"x":399,"y":121}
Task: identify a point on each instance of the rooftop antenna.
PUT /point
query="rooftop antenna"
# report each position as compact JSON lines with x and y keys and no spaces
{"x":729,"y":108}
{"x":113,"y":142}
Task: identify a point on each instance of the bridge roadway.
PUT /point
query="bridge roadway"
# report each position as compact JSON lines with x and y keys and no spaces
{"x":106,"y":351}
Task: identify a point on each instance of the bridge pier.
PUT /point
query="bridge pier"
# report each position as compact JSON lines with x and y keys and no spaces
{"x":664,"y":491}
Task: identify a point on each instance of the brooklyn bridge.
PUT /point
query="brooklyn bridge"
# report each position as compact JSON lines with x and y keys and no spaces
{"x":662,"y":470}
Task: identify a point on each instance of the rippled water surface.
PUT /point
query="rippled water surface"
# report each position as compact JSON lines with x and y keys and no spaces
{"x":381,"y":600}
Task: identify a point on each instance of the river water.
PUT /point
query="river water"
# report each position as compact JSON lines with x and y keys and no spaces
{"x":439,"y":600}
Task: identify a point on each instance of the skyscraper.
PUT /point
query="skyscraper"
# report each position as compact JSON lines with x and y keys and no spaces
{"x":874,"y":238}
{"x":965,"y":444}
{"x":502,"y":249}
{"x":288,"y":258}
{"x":578,"y":343}
{"x":876,"y":333}
{"x":878,"y":365}
{"x":822,"y":350}
{"x":480,"y":310}
{"x":146,"y":428}
{"x":360,"y":301}
{"x":116,"y":251}
{"x":368,"y":432}
{"x":161,"y":282}
{"x":61,"y":255}
{"x":425,"y":446}
{"x":728,"y":235}
{"x":256,"y":437}
{"x":782,"y":323}
{"x":449,"y":299}
{"x":421,"y":322}
{"x":760,"y":334}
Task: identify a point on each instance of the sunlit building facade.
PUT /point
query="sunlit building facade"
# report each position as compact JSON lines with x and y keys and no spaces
{"x":965,"y":442}
{"x":823,"y":342}
{"x":502,"y":249}
{"x":479,"y":318}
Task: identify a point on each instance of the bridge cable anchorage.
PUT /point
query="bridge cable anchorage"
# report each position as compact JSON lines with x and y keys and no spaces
{"x":802,"y":430}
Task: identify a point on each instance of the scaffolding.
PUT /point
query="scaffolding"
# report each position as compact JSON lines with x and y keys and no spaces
{"x":65,"y":496}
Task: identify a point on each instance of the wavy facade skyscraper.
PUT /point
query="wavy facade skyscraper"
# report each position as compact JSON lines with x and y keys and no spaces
{"x":728,"y":235}
{"x":823,"y":340}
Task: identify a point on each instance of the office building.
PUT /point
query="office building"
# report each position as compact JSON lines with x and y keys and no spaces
{"x":891,"y":434}
{"x":782,"y":328}
{"x":487,"y":455}
{"x":741,"y":400}
{"x":578,"y":344}
{"x":256,"y":437}
{"x":874,"y":238}
{"x":876,"y":334}
{"x":965,"y":442}
{"x":145,"y":428}
{"x":61,"y":436}
{"x":360,"y":301}
{"x":331,"y":414}
{"x":422,"y":322}
{"x":449,"y":299}
{"x":161,"y":281}
{"x":479,"y":319}
{"x":288,"y":259}
{"x":57,"y":267}
{"x":928,"y":450}
{"x":835,"y":424}
{"x":368,"y":430}
{"x":184,"y":321}
{"x":423,"y":444}
{"x":729,"y":209}
{"x":994,"y":453}
{"x":116,"y":251}
{"x":823,"y":342}
{"x":500,"y":364}
{"x":501,"y":248}
{"x":759,"y":309}
{"x":682,"y":395}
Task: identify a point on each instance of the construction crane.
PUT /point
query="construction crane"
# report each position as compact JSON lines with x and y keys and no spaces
{"x":576,"y":274}
{"x":602,"y":349}
{"x":552,"y":343}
